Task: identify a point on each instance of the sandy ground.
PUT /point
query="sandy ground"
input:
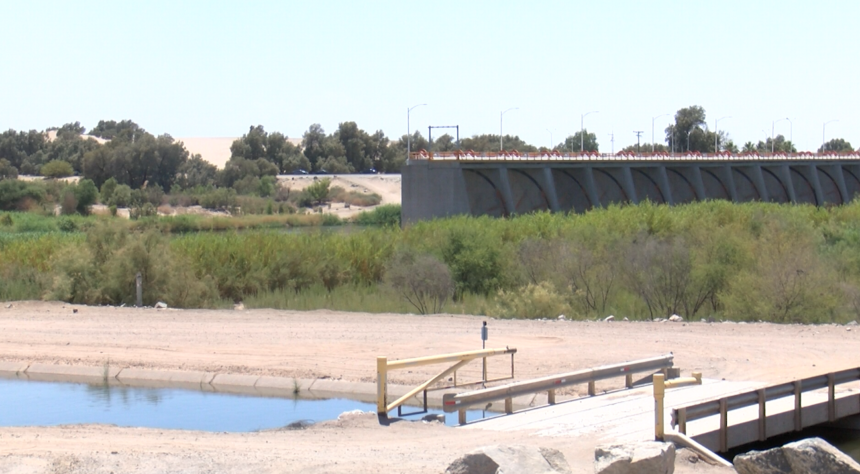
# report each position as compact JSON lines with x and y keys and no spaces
{"x":345,"y":346}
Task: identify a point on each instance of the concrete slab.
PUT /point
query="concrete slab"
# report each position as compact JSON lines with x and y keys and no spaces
{"x":283,"y":386}
{"x":70,"y":373}
{"x":13,"y":367}
{"x":235,"y":380}
{"x":166,"y":378}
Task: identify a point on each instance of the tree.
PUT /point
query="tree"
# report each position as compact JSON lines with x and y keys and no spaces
{"x":274,"y":147}
{"x":444,"y":143}
{"x":86,"y":194}
{"x":313,"y":142}
{"x":490,"y":143}
{"x":422,"y":280}
{"x":57,"y":169}
{"x":197,"y":172}
{"x":125,"y":130}
{"x":581,"y":140}
{"x":837,"y":145}
{"x":686,"y":133}
{"x":318,"y":191}
{"x":778,"y":145}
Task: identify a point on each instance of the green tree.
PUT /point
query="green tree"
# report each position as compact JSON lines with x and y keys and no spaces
{"x":107,"y":190}
{"x":490,"y":143}
{"x":57,"y":169}
{"x":313,"y":143}
{"x":197,"y":172}
{"x":318,"y":191}
{"x":837,"y":145}
{"x":125,"y":130}
{"x":86,"y":194}
{"x":580,"y":140}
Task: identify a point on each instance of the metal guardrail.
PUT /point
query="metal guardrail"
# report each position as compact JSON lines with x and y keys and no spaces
{"x":383,"y":366}
{"x":513,"y":155}
{"x":462,"y":401}
{"x":721,"y":407}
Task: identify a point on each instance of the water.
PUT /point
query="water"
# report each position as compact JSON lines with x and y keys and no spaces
{"x":31,"y":403}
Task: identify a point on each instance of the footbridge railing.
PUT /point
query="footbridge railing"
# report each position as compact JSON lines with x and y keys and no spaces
{"x":460,"y":359}
{"x":462,"y":401}
{"x":822,"y":409}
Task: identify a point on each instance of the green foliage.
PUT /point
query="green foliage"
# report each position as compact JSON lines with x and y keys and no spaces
{"x":318,"y":192}
{"x":57,"y":169}
{"x":19,"y":195}
{"x":837,"y":145}
{"x":382,"y":216}
{"x":422,"y":280}
{"x":86,"y":194}
{"x":107,"y":190}
{"x":475,"y":265}
{"x":531,"y":302}
{"x":121,"y":196}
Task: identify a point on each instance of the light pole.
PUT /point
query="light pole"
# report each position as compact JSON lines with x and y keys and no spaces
{"x":582,"y":130}
{"x":790,"y":131}
{"x":550,"y":139}
{"x":772,"y":138}
{"x":409,"y":132}
{"x":717,"y":133}
{"x":823,"y":129}
{"x":652,"y":129}
{"x":501,"y":115}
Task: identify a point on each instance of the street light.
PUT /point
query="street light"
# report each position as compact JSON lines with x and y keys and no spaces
{"x":550,"y":139}
{"x":790,"y":131}
{"x":582,"y":130}
{"x":501,"y":115}
{"x":823,"y":128}
{"x":772,"y":138}
{"x":409,"y":132}
{"x":652,"y":129}
{"x":717,"y":133}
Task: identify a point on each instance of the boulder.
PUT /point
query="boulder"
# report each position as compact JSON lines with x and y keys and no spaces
{"x":609,"y":318}
{"x":510,"y":459}
{"x":808,"y":455}
{"x":650,"y":457}
{"x":675,"y":318}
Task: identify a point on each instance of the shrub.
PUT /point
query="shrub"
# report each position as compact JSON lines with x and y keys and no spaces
{"x":144,"y":210}
{"x":15,"y":194}
{"x":422,"y":280}
{"x":69,"y":204}
{"x":383,"y":216}
{"x":475,"y":264}
{"x":86,"y":193}
{"x":66,"y":224}
{"x":57,"y":169}
{"x":6,"y":220}
{"x":318,"y":192}
{"x":121,"y":196}
{"x":108,"y":188}
{"x":532,"y":302}
{"x":112,"y":209}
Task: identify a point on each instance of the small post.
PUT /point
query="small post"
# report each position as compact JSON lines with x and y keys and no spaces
{"x":550,"y":397}
{"x":461,"y":417}
{"x":724,"y":425}
{"x":762,"y":415}
{"x":798,"y":406}
{"x":139,"y":287}
{"x":659,"y":393}
{"x":484,"y":337}
{"x":509,"y":405}
{"x":831,"y":399}
{"x":628,"y":380}
{"x":591,"y":389}
{"x":682,"y":420}
{"x":382,"y":386}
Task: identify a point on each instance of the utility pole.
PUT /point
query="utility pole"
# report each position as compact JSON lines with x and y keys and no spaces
{"x":638,"y":136}
{"x":612,"y":141}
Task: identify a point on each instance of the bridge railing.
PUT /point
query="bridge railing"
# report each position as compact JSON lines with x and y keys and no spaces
{"x":513,"y":155}
{"x":462,"y":401}
{"x":681,"y":416}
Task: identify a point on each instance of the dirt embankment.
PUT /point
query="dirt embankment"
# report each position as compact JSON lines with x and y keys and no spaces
{"x":345,"y":346}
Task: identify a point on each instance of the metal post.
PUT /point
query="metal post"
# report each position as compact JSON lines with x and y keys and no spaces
{"x":582,"y":130}
{"x":409,"y":131}
{"x":484,"y":336}
{"x":139,"y":286}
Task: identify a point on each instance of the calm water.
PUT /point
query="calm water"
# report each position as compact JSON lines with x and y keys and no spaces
{"x":847,"y":441}
{"x":29,"y":403}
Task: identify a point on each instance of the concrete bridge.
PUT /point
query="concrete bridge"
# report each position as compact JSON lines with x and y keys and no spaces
{"x":502,"y":184}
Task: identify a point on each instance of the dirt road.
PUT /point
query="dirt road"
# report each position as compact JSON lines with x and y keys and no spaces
{"x":345,"y":346}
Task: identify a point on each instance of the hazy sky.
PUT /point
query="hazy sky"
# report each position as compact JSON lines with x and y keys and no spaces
{"x":209,"y":68}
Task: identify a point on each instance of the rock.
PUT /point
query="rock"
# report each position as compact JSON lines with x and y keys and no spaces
{"x":8,"y":305}
{"x":638,"y":458}
{"x":239,"y":306}
{"x":609,"y":318}
{"x":561,"y":317}
{"x":161,"y":305}
{"x":434,"y":418}
{"x":808,"y":455}
{"x":625,"y":319}
{"x":851,"y":323}
{"x":675,"y":318}
{"x":510,"y":459}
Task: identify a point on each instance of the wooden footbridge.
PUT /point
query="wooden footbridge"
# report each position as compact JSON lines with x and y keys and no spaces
{"x":710,"y":416}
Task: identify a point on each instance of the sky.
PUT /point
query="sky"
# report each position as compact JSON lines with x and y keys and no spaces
{"x":215,"y":68}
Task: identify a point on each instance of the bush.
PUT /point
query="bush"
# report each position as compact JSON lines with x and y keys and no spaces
{"x":19,"y":195}
{"x":317,"y":193}
{"x":532,"y":302}
{"x":383,"y":216}
{"x":70,"y":203}
{"x":144,"y":210}
{"x":6,"y":220}
{"x":86,"y":193}
{"x":66,"y":224}
{"x":108,"y":188}
{"x":57,"y":169}
{"x":422,"y":280}
{"x":121,"y":196}
{"x":475,"y":264}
